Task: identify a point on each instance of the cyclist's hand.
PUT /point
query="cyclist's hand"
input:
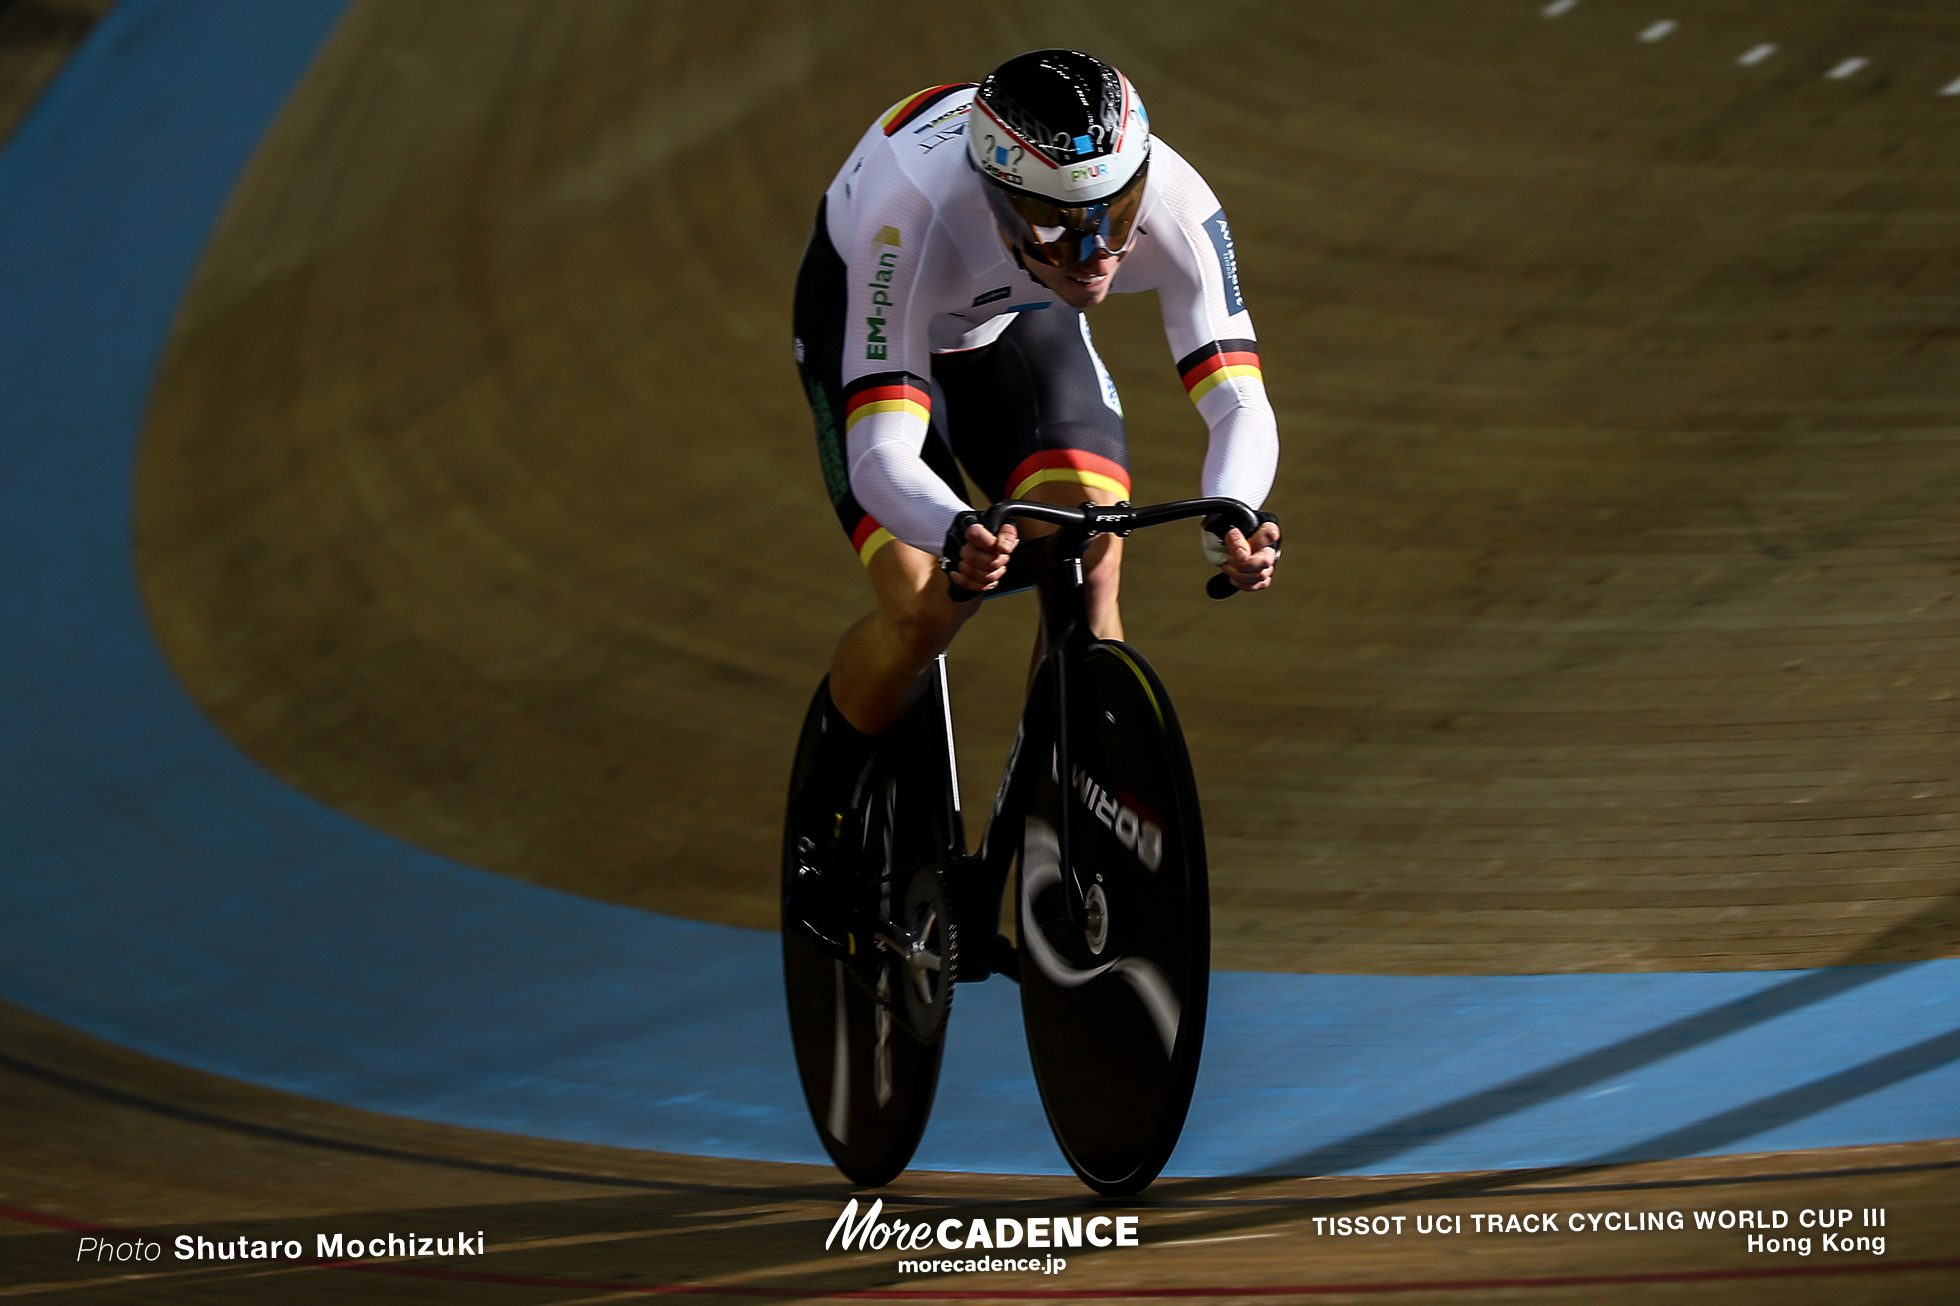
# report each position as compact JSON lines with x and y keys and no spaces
{"x":1249,"y":563}
{"x":983,"y":558}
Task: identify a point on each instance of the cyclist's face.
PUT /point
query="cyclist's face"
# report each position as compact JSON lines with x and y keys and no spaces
{"x":1079,"y":285}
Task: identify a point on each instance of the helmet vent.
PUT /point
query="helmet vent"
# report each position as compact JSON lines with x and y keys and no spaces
{"x":1065,"y":104}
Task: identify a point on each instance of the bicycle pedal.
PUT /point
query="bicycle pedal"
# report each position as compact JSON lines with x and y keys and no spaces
{"x":837,"y":930}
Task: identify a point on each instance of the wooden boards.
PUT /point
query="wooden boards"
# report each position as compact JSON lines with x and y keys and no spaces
{"x":1617,"y":628}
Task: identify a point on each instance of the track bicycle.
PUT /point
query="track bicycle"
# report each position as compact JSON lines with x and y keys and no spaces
{"x":1097,"y":813}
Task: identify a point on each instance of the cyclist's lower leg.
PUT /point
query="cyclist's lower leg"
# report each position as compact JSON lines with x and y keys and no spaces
{"x":875,"y":677}
{"x":875,"y":671}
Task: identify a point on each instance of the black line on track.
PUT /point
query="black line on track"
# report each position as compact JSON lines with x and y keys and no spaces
{"x":1494,"y":1185}
{"x":126,"y":1097}
{"x":1447,"y":1188}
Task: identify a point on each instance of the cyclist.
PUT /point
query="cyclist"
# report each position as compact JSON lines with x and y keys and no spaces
{"x":939,"y":320}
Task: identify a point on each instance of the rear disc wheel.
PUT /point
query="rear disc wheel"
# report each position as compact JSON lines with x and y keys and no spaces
{"x":868,"y":1030}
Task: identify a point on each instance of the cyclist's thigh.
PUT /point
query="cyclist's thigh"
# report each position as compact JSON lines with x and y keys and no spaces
{"x":1036,"y":410}
{"x":822,"y":294}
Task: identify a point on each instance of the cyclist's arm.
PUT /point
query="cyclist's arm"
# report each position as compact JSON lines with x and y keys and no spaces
{"x":1189,"y":261}
{"x":892,"y":255}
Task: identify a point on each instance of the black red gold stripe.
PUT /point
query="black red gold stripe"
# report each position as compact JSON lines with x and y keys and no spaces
{"x":1221,"y":360}
{"x":887,"y":392}
{"x":869,"y":537}
{"x":1069,"y":465}
{"x":913,"y":105}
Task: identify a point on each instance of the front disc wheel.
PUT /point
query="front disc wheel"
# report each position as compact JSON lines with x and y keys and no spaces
{"x":1115,"y":968}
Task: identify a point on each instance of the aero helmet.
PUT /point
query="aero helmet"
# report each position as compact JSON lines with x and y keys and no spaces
{"x":1063,"y":139}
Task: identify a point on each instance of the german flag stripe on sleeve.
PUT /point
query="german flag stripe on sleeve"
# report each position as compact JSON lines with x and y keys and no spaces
{"x":887,"y":392}
{"x":913,"y":105}
{"x":1221,"y":360}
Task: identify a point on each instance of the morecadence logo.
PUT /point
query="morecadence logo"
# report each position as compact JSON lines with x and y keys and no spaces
{"x":868,"y":1232}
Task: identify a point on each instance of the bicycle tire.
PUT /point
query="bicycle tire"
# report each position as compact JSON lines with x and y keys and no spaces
{"x":1114,"y":1002}
{"x":867,"y":1043}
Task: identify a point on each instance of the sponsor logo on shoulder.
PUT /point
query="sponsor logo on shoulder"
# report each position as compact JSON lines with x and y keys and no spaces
{"x":999,"y":292}
{"x":938,"y":139}
{"x":957,"y":111}
{"x":941,"y":133}
{"x":1228,"y":260}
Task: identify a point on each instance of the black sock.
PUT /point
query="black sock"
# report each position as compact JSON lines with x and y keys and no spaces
{"x":842,"y":757}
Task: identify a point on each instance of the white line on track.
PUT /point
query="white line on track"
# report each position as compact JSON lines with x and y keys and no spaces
{"x":1229,"y":1238}
{"x":1749,"y":58}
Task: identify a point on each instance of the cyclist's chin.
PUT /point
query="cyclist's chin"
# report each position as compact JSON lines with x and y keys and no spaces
{"x":1083,"y":286}
{"x":1077,"y":295}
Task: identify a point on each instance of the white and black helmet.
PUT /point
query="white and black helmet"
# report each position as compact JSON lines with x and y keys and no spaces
{"x":1065,"y":142}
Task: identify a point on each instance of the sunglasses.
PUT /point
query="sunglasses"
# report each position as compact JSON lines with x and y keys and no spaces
{"x":1063,"y":235}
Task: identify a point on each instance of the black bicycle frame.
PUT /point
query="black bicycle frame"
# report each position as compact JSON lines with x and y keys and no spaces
{"x":1053,"y":568}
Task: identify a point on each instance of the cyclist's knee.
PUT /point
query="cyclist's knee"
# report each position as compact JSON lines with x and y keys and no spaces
{"x":1102,"y":571}
{"x":927,"y":618}
{"x":912,"y":603}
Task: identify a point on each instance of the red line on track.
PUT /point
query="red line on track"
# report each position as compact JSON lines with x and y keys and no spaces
{"x":1105,"y":1294}
{"x":47,"y":1221}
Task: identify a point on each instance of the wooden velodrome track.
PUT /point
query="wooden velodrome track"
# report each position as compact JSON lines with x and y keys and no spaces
{"x":1617,"y":630}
